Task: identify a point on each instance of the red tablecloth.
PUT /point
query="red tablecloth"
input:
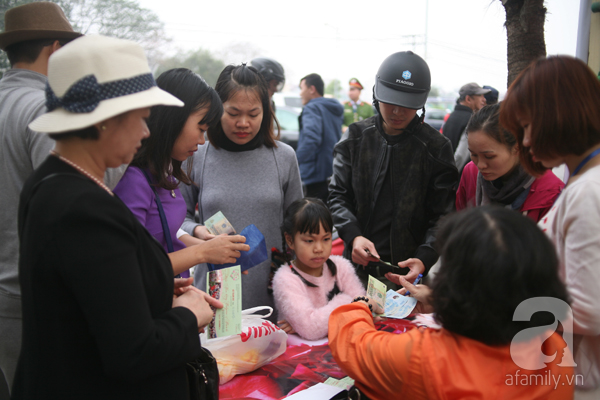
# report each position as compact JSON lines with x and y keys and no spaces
{"x":300,"y":367}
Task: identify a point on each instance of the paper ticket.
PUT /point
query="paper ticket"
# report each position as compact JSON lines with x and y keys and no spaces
{"x":225,"y":285}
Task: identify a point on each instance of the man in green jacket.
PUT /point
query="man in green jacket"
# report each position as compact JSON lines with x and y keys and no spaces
{"x":355,"y":110}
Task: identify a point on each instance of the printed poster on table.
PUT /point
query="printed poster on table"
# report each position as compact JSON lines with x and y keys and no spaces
{"x":225,"y":285}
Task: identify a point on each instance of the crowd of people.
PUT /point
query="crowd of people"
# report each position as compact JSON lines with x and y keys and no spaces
{"x":107,"y":180}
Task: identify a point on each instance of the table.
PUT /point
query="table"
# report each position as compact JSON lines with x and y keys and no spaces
{"x":299,"y":368}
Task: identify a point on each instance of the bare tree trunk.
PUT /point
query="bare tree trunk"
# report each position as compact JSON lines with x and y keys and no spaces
{"x":525,"y":32}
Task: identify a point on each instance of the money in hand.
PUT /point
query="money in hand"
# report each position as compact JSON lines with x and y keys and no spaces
{"x":218,"y":224}
{"x":376,"y":290}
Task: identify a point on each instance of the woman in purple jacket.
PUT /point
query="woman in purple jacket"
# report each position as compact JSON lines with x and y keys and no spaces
{"x":157,"y":170}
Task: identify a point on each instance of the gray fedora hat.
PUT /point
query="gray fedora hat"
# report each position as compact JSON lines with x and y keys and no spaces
{"x":40,"y":20}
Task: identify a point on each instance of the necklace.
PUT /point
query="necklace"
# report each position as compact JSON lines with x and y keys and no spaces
{"x":82,"y":171}
{"x":585,"y":161}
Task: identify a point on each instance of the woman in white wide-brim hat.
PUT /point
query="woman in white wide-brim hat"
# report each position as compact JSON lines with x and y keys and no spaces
{"x":102,"y":316}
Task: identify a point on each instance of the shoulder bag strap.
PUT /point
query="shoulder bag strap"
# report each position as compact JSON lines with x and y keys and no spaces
{"x":161,"y":211}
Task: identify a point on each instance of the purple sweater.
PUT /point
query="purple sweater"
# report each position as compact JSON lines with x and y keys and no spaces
{"x":136,"y":193}
{"x":307,"y":309}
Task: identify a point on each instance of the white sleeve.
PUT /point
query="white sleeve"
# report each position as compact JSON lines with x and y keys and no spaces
{"x":461,"y":155}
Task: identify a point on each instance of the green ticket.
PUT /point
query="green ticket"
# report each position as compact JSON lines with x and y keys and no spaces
{"x":376,"y":291}
{"x":226,"y":285}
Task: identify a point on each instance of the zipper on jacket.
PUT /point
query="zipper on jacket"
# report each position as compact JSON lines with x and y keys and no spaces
{"x":391,"y":167}
{"x":375,"y":184}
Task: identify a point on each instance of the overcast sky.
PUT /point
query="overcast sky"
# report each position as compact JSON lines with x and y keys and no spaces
{"x":466,"y":39}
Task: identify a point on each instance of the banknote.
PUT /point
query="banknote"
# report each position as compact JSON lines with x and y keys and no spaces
{"x":218,"y":224}
{"x":376,"y":291}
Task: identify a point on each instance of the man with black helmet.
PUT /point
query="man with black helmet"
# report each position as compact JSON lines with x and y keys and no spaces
{"x":394,"y":176}
{"x":273,"y":73}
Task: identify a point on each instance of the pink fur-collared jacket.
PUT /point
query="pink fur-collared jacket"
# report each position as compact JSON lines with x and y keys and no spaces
{"x":307,"y":309}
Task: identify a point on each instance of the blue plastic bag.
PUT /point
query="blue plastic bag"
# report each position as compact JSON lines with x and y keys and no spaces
{"x":252,"y":257}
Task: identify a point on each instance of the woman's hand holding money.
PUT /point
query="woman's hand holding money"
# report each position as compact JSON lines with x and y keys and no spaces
{"x":201,"y":232}
{"x":373,"y":306}
{"x":223,"y":249}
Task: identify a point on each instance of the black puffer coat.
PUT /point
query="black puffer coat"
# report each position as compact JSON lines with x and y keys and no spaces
{"x":424,"y":179}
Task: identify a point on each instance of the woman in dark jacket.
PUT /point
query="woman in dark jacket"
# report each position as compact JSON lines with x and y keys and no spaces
{"x":102,"y":316}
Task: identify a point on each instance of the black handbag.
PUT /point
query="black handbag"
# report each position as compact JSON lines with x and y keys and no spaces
{"x":203,"y":377}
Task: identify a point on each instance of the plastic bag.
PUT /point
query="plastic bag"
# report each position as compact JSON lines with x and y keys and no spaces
{"x":260,"y":342}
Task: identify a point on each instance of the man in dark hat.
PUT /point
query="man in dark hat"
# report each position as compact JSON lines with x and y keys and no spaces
{"x":470,"y":99}
{"x":33,"y":32}
{"x":491,"y":97}
{"x":356,"y":110}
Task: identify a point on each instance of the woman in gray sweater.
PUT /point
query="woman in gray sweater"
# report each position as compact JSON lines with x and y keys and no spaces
{"x":244,"y":173}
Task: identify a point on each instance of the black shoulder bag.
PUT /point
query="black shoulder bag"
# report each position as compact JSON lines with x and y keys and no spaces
{"x":203,"y":377}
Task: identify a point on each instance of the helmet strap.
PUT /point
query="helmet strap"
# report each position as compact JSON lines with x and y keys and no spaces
{"x":422,"y":119}
{"x":375,"y":101}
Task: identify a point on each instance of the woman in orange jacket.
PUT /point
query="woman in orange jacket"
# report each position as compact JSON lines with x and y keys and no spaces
{"x":493,"y":343}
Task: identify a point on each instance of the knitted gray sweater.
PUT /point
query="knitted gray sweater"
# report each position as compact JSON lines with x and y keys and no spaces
{"x":250,"y":187}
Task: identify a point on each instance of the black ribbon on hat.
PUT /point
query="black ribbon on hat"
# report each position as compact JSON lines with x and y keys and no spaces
{"x":85,"y":94}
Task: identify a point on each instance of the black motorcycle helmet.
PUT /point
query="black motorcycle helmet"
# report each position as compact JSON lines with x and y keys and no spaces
{"x":270,"y":70}
{"x":404,"y":80}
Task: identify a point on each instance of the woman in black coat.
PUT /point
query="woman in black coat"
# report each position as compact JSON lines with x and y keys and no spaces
{"x":102,"y":316}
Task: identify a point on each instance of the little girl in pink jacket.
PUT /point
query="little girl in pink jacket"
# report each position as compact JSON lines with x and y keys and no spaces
{"x":309,"y":288}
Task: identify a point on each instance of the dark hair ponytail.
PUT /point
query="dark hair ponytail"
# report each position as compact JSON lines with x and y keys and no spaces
{"x":306,"y":215}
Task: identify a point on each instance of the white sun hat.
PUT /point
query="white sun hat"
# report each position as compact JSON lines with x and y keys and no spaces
{"x":94,"y":78}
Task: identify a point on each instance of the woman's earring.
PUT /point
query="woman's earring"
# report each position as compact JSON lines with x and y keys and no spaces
{"x":103,"y":127}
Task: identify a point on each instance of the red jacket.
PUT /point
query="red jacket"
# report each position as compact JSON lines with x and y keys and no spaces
{"x":544,"y":191}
